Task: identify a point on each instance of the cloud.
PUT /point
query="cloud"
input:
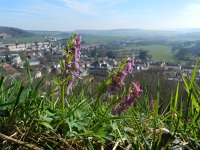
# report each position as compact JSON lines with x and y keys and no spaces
{"x":93,"y":7}
{"x":109,"y":2}
{"x":85,"y":7}
{"x":35,"y":8}
{"x":101,"y":14}
{"x":38,"y":14}
{"x":70,"y":14}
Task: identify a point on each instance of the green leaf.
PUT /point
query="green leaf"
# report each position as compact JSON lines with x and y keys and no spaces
{"x":185,"y":83}
{"x":2,"y":80}
{"x":28,"y":71}
{"x":193,"y":75}
{"x":176,"y":96}
{"x":46,"y":124}
{"x":108,"y":81}
{"x":101,"y":133}
{"x":56,"y":80}
{"x":64,"y":51}
{"x":39,"y":84}
{"x":129,"y":130}
{"x":18,"y":96}
{"x":97,"y":128}
{"x":62,"y":64}
{"x":115,"y":127}
{"x":45,"y":119}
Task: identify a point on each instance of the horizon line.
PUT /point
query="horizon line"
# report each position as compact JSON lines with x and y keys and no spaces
{"x":172,"y":29}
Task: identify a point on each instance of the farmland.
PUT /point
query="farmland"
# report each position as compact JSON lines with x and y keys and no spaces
{"x":157,"y":52}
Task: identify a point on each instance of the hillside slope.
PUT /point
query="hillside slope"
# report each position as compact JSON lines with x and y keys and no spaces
{"x":9,"y":32}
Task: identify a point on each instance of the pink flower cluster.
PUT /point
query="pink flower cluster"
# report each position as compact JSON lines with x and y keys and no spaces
{"x":74,"y":66}
{"x":118,"y":82}
{"x":132,"y":94}
{"x":127,"y":69}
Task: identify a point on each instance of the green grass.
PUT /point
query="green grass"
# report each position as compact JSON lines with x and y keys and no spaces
{"x":93,"y":39}
{"x":158,"y":52}
{"x":181,"y":39}
{"x":36,"y":118}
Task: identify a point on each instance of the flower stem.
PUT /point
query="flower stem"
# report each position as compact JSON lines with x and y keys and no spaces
{"x":63,"y":99}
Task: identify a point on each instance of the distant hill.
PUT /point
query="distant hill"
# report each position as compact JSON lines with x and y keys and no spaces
{"x":189,"y":30}
{"x":9,"y":32}
{"x":195,"y":35}
{"x":130,"y":32}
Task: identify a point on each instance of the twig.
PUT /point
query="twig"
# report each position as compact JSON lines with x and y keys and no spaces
{"x":19,"y":131}
{"x":116,"y":145}
{"x":102,"y":147}
{"x":128,"y":147}
{"x":14,"y":134}
{"x":25,"y":144}
{"x":65,"y":142}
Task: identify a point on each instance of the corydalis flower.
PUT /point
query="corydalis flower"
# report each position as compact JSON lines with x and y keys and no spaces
{"x":118,"y":82}
{"x":136,"y":89}
{"x":131,"y":64}
{"x":73,"y":68}
{"x":77,"y":53}
{"x":128,"y":101}
{"x":70,"y":85}
{"x":119,"y":78}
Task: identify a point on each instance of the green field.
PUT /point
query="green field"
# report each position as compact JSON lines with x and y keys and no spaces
{"x":93,"y":39}
{"x":158,"y":52}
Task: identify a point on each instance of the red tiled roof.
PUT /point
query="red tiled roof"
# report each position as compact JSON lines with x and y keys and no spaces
{"x":9,"y":68}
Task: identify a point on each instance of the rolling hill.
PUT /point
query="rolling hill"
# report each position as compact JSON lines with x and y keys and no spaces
{"x":130,"y":32}
{"x":10,"y":32}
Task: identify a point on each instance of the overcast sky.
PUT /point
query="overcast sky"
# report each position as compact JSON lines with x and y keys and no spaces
{"x":67,"y":15}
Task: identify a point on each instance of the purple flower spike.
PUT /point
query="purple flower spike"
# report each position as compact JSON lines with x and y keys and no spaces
{"x":70,"y":85}
{"x":129,"y":66}
{"x":137,"y":90}
{"x":121,"y":78}
{"x":127,"y":69}
{"x":118,"y":81}
{"x":128,"y":101}
{"x":78,"y":41}
{"x":75,"y":74}
{"x":74,"y":66}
